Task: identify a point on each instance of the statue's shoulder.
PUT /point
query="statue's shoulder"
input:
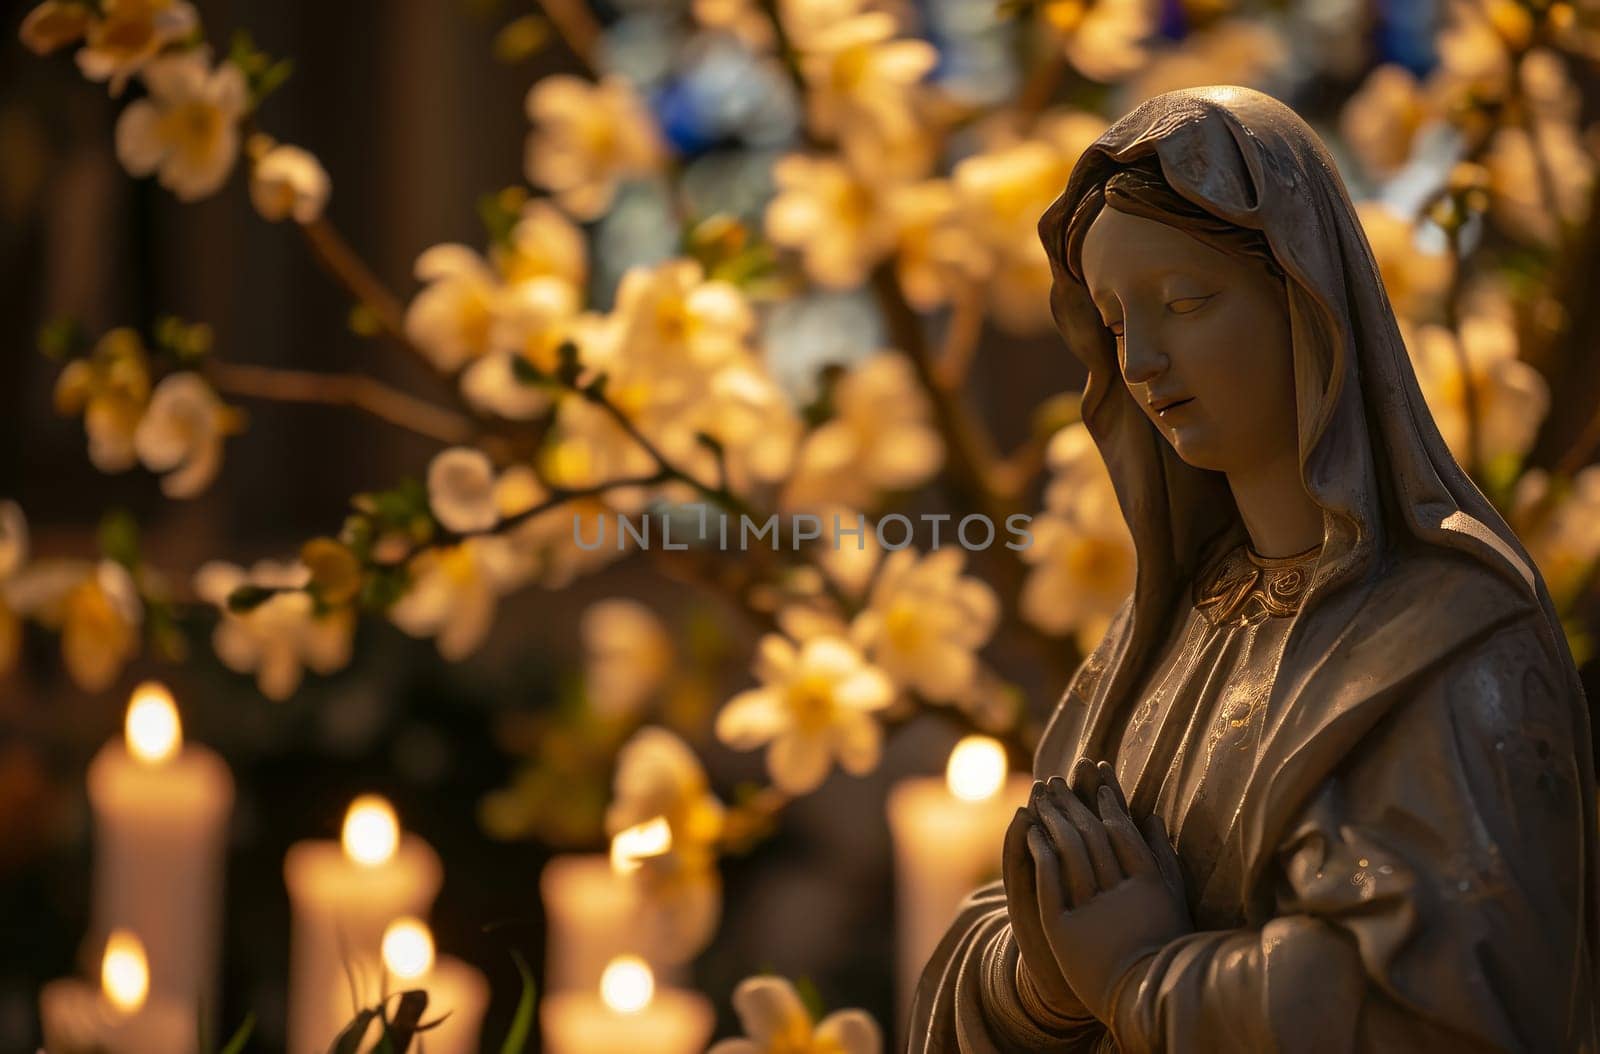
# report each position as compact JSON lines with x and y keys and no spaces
{"x":1454,"y":593}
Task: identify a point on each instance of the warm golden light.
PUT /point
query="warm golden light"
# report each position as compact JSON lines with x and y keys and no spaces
{"x":977,"y":769}
{"x":371,"y":831}
{"x":627,"y":985}
{"x":639,"y":842}
{"x":124,"y":973}
{"x":408,"y":948}
{"x":152,"y":728}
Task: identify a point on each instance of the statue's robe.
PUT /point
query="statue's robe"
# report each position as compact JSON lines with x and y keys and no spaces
{"x":1396,"y":872}
{"x":1405,"y":856}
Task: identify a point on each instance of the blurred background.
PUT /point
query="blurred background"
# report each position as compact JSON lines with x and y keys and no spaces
{"x":1469,"y":125}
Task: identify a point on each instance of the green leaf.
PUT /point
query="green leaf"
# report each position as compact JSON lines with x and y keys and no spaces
{"x":811,"y":997}
{"x":62,"y":338}
{"x":247,"y":598}
{"x":526,"y":372}
{"x":119,"y":538}
{"x":348,"y":1041}
{"x":499,"y":212}
{"x":516,"y":1041}
{"x":569,"y":367}
{"x":235,"y":1045}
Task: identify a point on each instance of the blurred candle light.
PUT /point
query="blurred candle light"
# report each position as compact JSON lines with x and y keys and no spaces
{"x":121,"y":1016}
{"x":591,"y":910}
{"x":125,"y":973}
{"x":627,"y":1014}
{"x":627,"y":985}
{"x":640,"y":842}
{"x":343,"y":896}
{"x":161,"y":807}
{"x":152,"y":729}
{"x":371,"y":832}
{"x":458,"y":995}
{"x":948,"y":834}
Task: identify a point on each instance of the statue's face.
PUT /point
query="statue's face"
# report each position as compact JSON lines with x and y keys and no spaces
{"x":1202,"y":338}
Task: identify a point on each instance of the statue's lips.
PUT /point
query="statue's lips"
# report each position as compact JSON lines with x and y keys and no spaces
{"x":1168,"y":408}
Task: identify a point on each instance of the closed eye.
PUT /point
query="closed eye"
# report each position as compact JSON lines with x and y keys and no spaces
{"x":1185,"y":304}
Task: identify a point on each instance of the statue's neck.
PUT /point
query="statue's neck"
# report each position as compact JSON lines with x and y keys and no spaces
{"x":1278,"y":513}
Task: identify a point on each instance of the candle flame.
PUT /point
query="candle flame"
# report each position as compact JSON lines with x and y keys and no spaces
{"x":408,"y":948}
{"x":627,"y":985}
{"x":124,"y":972}
{"x":371,"y":831}
{"x":152,"y":729}
{"x":640,"y":842}
{"x":977,"y":769}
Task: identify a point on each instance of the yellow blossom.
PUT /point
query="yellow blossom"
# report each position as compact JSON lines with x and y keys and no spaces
{"x":881,"y":438}
{"x":461,"y":490}
{"x":835,"y":220}
{"x":543,"y":243}
{"x":775,"y":1021}
{"x":1477,"y":388}
{"x":110,"y":389}
{"x":187,"y":130}
{"x":1080,"y":551}
{"x":182,"y":431}
{"x":283,"y":635}
{"x":587,"y":138}
{"x":1102,"y":39}
{"x":816,"y":703}
{"x":452,"y":317}
{"x":129,"y":34}
{"x":95,"y":606}
{"x":54,"y":24}
{"x":658,"y":778}
{"x":925,"y":622}
{"x":1381,"y":120}
{"x":1416,"y":278}
{"x":627,"y":656}
{"x":453,"y":593}
{"x":287,"y":181}
{"x":1561,"y":528}
{"x":862,"y":84}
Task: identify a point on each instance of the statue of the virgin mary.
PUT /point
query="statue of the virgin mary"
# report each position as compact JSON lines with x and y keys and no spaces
{"x":1339,"y":792}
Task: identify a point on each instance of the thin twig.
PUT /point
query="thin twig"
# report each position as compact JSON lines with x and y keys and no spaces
{"x":360,"y":392}
{"x":347,"y":268}
{"x":962,"y":334}
{"x":972,"y":455}
{"x":577,"y":27}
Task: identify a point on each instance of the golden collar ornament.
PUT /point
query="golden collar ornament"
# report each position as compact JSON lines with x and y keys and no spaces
{"x":1244,"y":587}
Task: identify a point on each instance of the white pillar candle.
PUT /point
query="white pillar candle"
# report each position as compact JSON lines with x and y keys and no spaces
{"x":948,"y":836}
{"x":626,"y":1015}
{"x":161,"y":809}
{"x":457,"y":994}
{"x":591,"y":916}
{"x":342,"y":896}
{"x":122,"y":1016}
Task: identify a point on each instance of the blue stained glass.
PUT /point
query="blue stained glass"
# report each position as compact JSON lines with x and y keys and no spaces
{"x":1405,"y":32}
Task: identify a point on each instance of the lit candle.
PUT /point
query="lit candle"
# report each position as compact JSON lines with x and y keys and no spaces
{"x":161,"y":809}
{"x":627,"y":1014}
{"x":457,"y":994}
{"x":343,"y":896}
{"x":122,"y":1016}
{"x":591,"y":911}
{"x":948,"y":835}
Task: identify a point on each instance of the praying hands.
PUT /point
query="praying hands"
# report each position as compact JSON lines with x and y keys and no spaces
{"x":1089,"y":892}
